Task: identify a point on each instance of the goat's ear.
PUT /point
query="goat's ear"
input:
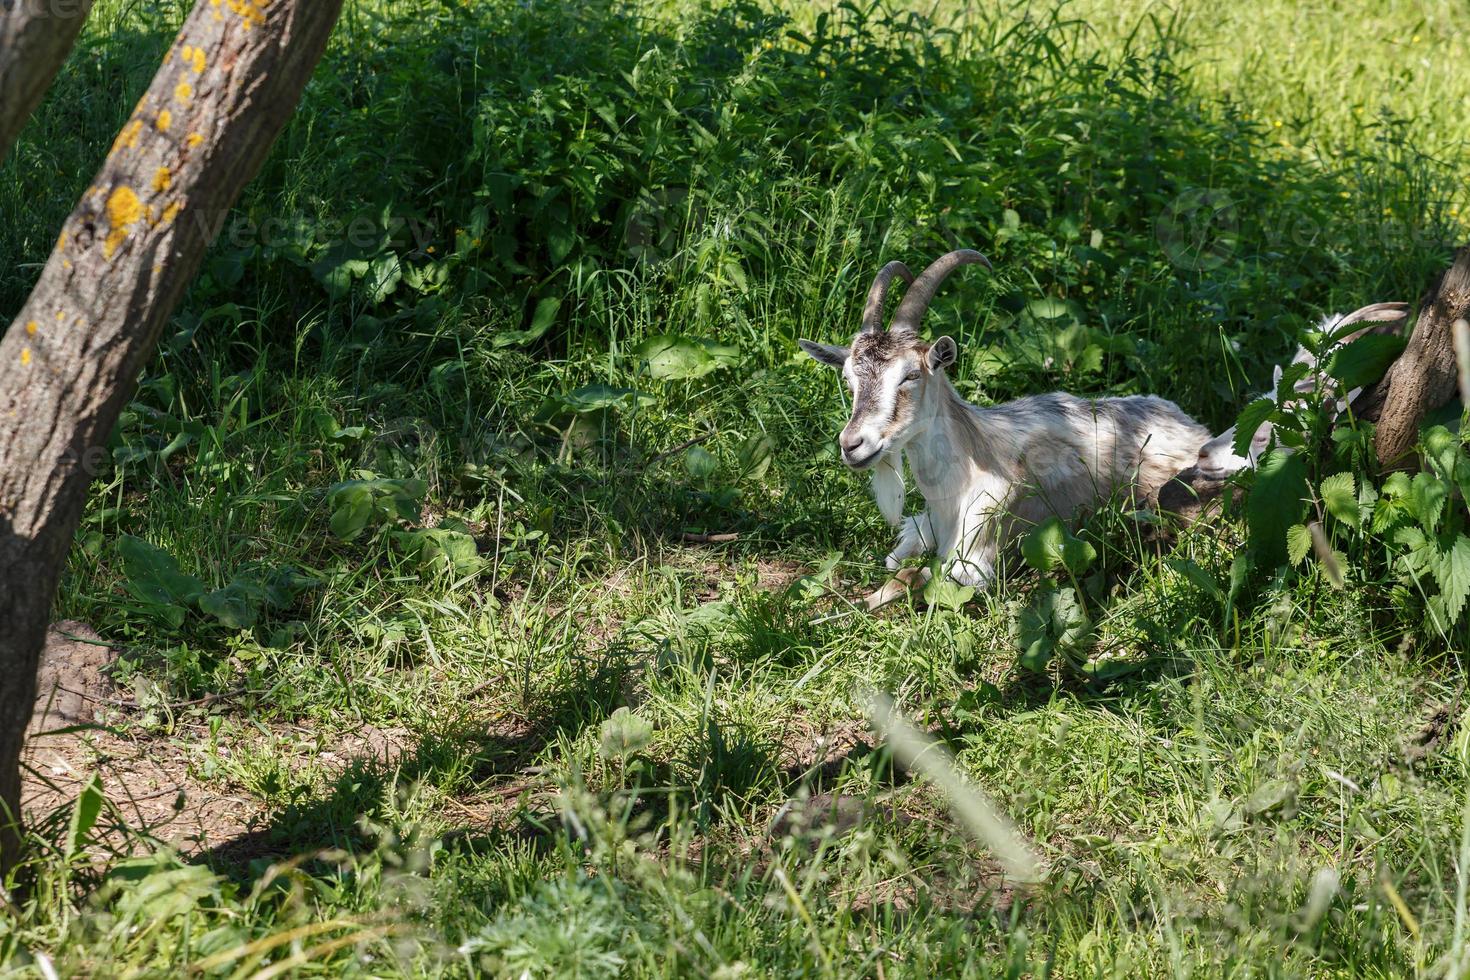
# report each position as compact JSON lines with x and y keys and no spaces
{"x":942,"y":354}
{"x":826,"y":353}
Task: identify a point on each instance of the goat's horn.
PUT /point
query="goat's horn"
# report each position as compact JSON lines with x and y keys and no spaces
{"x":916,"y":301}
{"x":1377,"y":313}
{"x":878,"y":292}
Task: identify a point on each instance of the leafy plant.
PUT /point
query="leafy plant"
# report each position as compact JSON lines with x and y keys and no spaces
{"x":448,"y":547}
{"x":153,"y":577}
{"x":1427,"y":526}
{"x":370,"y":503}
{"x":1055,"y":622}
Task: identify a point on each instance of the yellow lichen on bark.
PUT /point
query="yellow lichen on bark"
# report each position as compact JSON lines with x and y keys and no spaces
{"x":183,"y":92}
{"x":165,"y":120}
{"x":123,"y":211}
{"x":194,"y":140}
{"x":128,"y":138}
{"x":32,"y":327}
{"x":25,"y":357}
{"x":250,"y":11}
{"x":162,"y":180}
{"x":194,"y":58}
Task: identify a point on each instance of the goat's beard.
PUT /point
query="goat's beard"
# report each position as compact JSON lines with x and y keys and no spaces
{"x":888,"y":489}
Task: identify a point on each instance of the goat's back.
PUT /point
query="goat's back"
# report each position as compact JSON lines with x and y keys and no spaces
{"x":1077,"y":450}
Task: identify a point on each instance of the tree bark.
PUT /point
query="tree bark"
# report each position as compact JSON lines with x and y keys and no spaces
{"x":1425,"y":376}
{"x":35,"y":37}
{"x":126,"y":254}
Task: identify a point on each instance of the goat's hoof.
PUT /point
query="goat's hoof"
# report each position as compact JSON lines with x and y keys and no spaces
{"x":903,"y":581}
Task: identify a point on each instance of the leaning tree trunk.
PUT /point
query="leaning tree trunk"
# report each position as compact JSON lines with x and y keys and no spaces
{"x":119,"y":267}
{"x":1425,"y":376}
{"x":35,"y":36}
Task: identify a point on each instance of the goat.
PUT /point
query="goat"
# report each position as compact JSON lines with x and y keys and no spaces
{"x":986,"y":473}
{"x":1217,"y":458}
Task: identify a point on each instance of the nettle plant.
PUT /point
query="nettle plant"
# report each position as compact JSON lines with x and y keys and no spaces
{"x":1422,"y":519}
{"x":1409,"y":526}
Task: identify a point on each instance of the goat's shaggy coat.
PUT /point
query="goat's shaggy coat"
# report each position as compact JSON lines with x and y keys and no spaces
{"x":987,"y":474}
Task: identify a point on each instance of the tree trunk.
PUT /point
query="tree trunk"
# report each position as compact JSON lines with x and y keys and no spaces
{"x":35,"y":36}
{"x":1425,"y":376}
{"x":121,"y":264}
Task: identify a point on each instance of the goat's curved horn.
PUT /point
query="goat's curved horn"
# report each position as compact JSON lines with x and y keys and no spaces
{"x":878,"y":292}
{"x":1377,"y":313}
{"x":916,"y":301}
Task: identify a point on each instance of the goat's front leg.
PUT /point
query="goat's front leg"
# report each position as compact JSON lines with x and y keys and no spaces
{"x":971,"y":561}
{"x":975,"y":568}
{"x":915,"y":538}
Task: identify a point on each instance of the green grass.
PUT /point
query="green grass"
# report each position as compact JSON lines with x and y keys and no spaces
{"x":1239,"y":801}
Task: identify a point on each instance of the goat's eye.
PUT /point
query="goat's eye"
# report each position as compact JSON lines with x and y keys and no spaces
{"x":911,"y":377}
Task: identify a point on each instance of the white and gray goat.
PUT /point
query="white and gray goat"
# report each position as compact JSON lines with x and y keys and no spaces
{"x":987,"y":474}
{"x":1217,"y":458}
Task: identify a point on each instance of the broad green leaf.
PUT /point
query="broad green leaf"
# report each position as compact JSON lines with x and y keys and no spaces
{"x":754,"y":456}
{"x":594,"y":398}
{"x":1042,"y":548}
{"x":700,"y":462}
{"x":1397,"y":484}
{"x":237,"y":605}
{"x":1275,"y":794}
{"x":336,"y":271}
{"x":152,"y":575}
{"x":1442,"y":448}
{"x":561,"y":238}
{"x":251,"y":592}
{"x":284,"y":583}
{"x":352,"y":510}
{"x":1367,"y":501}
{"x":940,"y":591}
{"x":541,"y":321}
{"x":623,"y":734}
{"x":1048,"y":308}
{"x":1454,"y":578}
{"x":1340,"y":497}
{"x":1276,"y":502}
{"x":1249,"y":421}
{"x":441,"y":548}
{"x":383,"y":276}
{"x":1291,"y":376}
{"x":1364,"y":361}
{"x":1053,"y":624}
{"x":1427,"y":496}
{"x":1078,"y":555}
{"x":1298,"y":543}
{"x":1050,"y":546}
{"x":84,"y":814}
{"x":1197,"y":575}
{"x":674,"y":357}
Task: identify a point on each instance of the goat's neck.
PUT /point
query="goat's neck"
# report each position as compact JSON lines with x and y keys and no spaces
{"x":950,"y":447}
